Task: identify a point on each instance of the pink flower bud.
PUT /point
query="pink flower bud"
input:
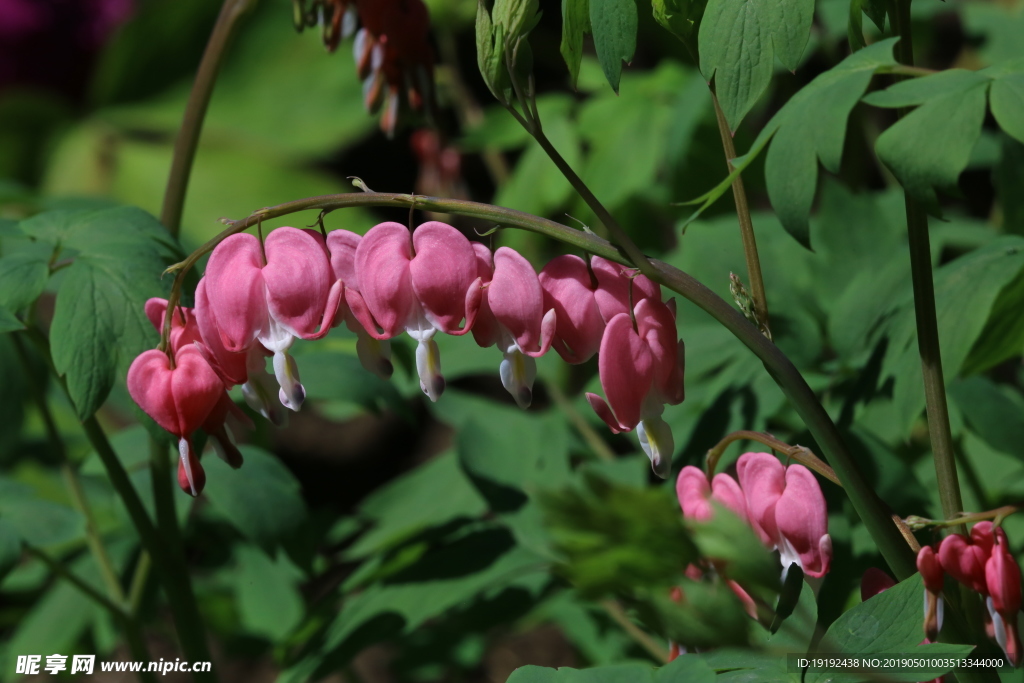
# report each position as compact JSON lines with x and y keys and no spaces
{"x":931,"y":572}
{"x":1002,"y":576}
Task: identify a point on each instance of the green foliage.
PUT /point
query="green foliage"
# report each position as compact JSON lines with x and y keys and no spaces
{"x":738,"y":43}
{"x":262,"y":498}
{"x":683,"y":669}
{"x":575,"y":24}
{"x":99,"y":324}
{"x":613,"y":23}
{"x":617,"y":538}
{"x":811,"y":126}
{"x":269,"y":601}
{"x":950,"y":107}
{"x":887,"y":623}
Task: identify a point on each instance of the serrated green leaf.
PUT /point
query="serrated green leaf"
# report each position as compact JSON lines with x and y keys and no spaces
{"x":1007,"y":102}
{"x":99,"y":322}
{"x":614,"y":25}
{"x":262,"y":498}
{"x":738,"y":40}
{"x":575,"y":23}
{"x":23,"y":276}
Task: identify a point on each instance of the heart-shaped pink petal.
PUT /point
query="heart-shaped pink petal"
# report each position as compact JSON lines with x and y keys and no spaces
{"x":569,"y":290}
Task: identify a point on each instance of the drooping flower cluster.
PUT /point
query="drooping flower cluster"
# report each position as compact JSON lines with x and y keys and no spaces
{"x":981,"y":561}
{"x":257,"y":298}
{"x":393,"y":55}
{"x":783,"y":505}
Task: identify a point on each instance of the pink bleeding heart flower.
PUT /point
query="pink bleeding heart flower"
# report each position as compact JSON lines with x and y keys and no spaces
{"x":290,"y":293}
{"x":186,"y":329}
{"x":184,"y":326}
{"x":930,"y":567}
{"x":695,"y":494}
{"x":965,"y":560}
{"x":641,"y":370}
{"x":802,"y":519}
{"x":620,"y":288}
{"x":420,"y":285}
{"x":374,"y":354}
{"x":569,"y":288}
{"x":787,"y":510}
{"x":179,"y":399}
{"x":513,"y":316}
{"x":1003,"y":580}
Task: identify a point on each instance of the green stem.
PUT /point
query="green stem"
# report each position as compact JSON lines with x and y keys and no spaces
{"x":924,"y":306}
{"x":139,"y":578}
{"x":72,"y":482}
{"x":739,"y":193}
{"x":132,"y":632}
{"x":641,"y":637}
{"x":865,"y":500}
{"x":172,"y":572}
{"x":195,"y":111}
{"x":170,"y":567}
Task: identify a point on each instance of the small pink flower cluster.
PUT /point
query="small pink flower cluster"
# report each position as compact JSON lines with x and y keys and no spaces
{"x":783,"y":505}
{"x":257,"y":298}
{"x":983,"y":563}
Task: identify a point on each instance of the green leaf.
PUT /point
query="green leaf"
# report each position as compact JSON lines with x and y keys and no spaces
{"x":952,"y":109}
{"x":269,"y":602}
{"x":508,"y":462}
{"x":678,"y":17}
{"x":480,"y":564}
{"x":23,"y":276}
{"x":1007,"y":101}
{"x":890,"y":622}
{"x":738,"y":40}
{"x":9,"y":322}
{"x":575,"y":23}
{"x":1003,"y":335}
{"x":682,"y":670}
{"x":262,"y":499}
{"x":965,"y":291}
{"x":810,"y":126}
{"x":490,"y":50}
{"x":412,"y":502}
{"x":40,"y":522}
{"x":614,"y":24}
{"x":994,"y":412}
{"x":99,"y":322}
{"x":10,"y":547}
{"x":1001,"y":27}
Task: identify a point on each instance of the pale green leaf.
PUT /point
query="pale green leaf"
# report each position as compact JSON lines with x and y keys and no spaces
{"x":23,"y":276}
